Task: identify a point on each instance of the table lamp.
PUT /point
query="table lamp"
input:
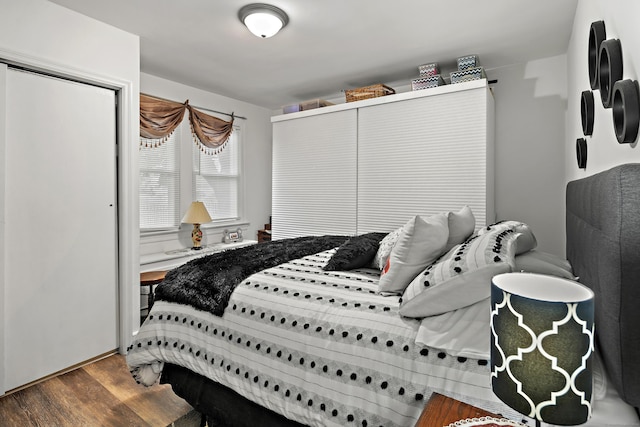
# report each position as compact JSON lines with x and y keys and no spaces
{"x":196,"y":214}
{"x":542,"y":340}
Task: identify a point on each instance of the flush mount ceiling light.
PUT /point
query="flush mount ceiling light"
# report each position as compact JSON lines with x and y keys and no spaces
{"x":263,"y":20}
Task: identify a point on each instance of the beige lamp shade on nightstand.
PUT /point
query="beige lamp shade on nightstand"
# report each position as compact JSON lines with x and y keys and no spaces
{"x":196,"y":214}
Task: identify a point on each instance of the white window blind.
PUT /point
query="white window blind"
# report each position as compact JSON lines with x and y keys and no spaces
{"x":314,"y":175}
{"x":160,"y":184}
{"x":216,"y":179}
{"x":376,"y":166}
{"x":424,"y":156}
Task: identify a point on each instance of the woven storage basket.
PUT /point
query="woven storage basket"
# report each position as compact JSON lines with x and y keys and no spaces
{"x":373,"y":91}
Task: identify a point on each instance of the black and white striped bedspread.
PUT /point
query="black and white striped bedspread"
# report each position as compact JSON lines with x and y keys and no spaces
{"x":322,"y":348}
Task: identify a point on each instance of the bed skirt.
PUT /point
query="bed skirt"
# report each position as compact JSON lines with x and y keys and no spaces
{"x":222,"y":406}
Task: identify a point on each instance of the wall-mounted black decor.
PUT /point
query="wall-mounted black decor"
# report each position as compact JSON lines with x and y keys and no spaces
{"x":626,"y":110}
{"x":610,"y":70}
{"x":581,"y":152}
{"x":597,"y":34}
{"x":586,"y":111}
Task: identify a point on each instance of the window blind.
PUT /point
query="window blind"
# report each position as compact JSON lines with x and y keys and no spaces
{"x":215,"y":179}
{"x":423,"y":156}
{"x":375,"y":166}
{"x":314,"y":175}
{"x":160,"y":184}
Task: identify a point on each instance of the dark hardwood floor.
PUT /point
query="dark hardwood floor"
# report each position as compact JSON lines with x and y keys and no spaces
{"x":102,"y":393}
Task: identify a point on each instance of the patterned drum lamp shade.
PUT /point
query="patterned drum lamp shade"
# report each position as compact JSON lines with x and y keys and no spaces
{"x":542,"y":340}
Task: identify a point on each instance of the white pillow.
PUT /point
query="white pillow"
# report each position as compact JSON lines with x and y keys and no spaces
{"x":461,"y":226}
{"x":420,"y":243}
{"x":460,"y":333}
{"x":462,"y":276}
{"x":544,"y":263}
{"x":526,"y":241}
{"x":599,"y":377}
{"x":384,"y":250}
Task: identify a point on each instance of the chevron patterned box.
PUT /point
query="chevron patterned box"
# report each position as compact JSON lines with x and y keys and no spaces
{"x":428,"y":70}
{"x":469,"y":74}
{"x":469,"y":61}
{"x":427,"y":82}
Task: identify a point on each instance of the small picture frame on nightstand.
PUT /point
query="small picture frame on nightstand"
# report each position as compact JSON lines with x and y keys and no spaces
{"x":232,"y":236}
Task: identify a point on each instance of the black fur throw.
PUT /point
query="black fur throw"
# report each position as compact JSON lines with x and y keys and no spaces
{"x":356,"y":252}
{"x":206,"y":283}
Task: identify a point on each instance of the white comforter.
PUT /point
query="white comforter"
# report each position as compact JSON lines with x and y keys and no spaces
{"x":322,"y":348}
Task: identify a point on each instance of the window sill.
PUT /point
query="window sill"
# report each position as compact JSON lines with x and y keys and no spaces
{"x":174,"y":258}
{"x":157,"y":235}
{"x":177,"y":242}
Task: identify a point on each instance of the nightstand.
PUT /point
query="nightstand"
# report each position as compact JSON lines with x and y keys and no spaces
{"x":264,"y":236}
{"x":150,"y":279}
{"x":442,"y":410}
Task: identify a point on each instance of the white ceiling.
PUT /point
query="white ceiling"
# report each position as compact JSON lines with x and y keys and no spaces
{"x":330,"y":45}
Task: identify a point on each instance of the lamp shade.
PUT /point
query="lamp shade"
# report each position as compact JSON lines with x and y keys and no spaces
{"x":542,"y":340}
{"x":263,"y":20}
{"x":196,"y":214}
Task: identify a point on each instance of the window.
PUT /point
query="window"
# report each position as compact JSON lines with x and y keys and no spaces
{"x":168,"y":185}
{"x":160,"y":185}
{"x":215,"y":180}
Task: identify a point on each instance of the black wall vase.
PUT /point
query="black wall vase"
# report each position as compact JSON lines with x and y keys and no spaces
{"x":626,"y":110}
{"x":597,"y":34}
{"x":610,"y":70}
{"x":586,"y":111}
{"x":581,"y":152}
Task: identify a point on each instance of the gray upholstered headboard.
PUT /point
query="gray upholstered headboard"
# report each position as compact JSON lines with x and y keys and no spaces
{"x":603,"y":246}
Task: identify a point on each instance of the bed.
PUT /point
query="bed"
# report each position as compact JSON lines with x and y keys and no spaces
{"x":341,"y":330}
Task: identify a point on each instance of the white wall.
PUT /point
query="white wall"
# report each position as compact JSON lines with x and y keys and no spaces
{"x":604,"y":151}
{"x":45,"y":31}
{"x":43,"y":35}
{"x":530,"y":102}
{"x":256,"y":162}
{"x":538,"y":121}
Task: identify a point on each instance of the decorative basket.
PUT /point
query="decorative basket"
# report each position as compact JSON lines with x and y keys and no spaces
{"x":366,"y":92}
{"x":314,"y":103}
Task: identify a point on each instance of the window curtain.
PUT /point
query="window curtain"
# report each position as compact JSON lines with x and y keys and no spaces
{"x":160,"y":117}
{"x":211,"y":133}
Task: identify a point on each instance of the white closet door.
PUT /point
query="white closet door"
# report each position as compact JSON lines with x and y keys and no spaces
{"x":60,"y":248}
{"x":314,"y":175}
{"x":423,"y":156}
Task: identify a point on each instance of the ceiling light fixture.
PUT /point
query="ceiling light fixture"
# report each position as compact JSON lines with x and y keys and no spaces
{"x":263,"y":20}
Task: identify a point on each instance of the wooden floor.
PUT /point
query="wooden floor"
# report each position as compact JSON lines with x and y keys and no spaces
{"x":100,"y":394}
